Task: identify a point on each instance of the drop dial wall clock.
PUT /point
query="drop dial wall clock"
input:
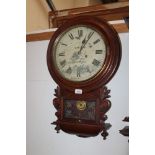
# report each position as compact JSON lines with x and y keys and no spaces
{"x":83,"y":55}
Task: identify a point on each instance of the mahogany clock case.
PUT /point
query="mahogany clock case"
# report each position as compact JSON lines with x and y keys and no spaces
{"x":111,"y":63}
{"x":86,"y":122}
{"x":87,"y":119}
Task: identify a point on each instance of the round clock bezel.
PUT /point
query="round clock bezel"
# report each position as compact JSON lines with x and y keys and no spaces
{"x":59,"y":38}
{"x":111,"y":62}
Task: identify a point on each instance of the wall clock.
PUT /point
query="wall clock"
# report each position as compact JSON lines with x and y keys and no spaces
{"x":82,"y":57}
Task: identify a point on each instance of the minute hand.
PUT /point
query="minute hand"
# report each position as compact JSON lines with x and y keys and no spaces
{"x":83,"y":45}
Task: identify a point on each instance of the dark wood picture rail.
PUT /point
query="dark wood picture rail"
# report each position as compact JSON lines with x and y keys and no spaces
{"x":39,"y":36}
{"x":120,"y":28}
{"x":109,"y":12}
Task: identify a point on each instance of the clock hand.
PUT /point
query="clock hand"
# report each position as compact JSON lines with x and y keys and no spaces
{"x":84,"y":42}
{"x":89,"y":36}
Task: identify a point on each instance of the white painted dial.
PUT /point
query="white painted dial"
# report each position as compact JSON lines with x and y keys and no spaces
{"x":79,"y":53}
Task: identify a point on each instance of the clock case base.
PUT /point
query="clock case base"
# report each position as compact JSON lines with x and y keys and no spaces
{"x":79,"y":126}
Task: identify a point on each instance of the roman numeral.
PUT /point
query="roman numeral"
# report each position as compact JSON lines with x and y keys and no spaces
{"x":99,"y":51}
{"x":63,"y":63}
{"x":95,"y":42}
{"x":69,"y":70}
{"x":78,"y":71}
{"x":80,"y":33}
{"x":63,"y":44}
{"x":62,"y":54}
{"x":95,"y":62}
{"x":71,"y":36}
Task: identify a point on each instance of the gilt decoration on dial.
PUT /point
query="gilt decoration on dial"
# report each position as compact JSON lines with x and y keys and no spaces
{"x":79,"y":53}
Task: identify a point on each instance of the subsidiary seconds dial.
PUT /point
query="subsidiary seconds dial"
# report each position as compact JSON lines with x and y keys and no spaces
{"x":79,"y":53}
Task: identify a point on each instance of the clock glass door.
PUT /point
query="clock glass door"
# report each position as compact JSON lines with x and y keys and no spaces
{"x":80,"y":110}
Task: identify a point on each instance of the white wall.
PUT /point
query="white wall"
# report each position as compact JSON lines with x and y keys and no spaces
{"x":42,"y":139}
